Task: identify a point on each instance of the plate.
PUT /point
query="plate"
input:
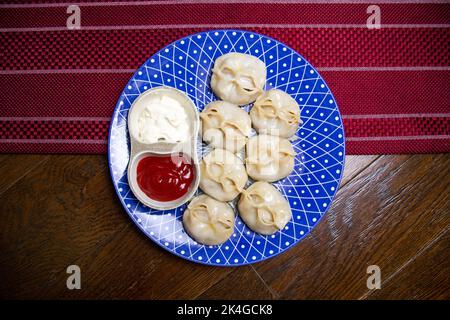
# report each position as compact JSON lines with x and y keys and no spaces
{"x":186,"y":65}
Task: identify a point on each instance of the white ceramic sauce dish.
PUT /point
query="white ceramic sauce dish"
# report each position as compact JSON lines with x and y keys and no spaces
{"x":161,"y":147}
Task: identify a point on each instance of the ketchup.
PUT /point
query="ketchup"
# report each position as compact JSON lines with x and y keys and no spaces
{"x":165,"y":178}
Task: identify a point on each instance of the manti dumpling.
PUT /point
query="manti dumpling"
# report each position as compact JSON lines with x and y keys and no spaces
{"x":223,"y":175}
{"x":263,"y":208}
{"x":276,"y":113}
{"x":208,"y":221}
{"x":225,"y":126}
{"x":238,"y":78}
{"x":269,"y":158}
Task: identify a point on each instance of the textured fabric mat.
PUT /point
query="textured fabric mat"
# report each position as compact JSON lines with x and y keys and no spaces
{"x":59,"y":86}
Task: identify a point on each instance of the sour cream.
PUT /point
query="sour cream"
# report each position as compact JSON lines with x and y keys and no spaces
{"x":160,"y":118}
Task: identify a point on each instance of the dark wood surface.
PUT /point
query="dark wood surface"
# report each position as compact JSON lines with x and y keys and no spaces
{"x":59,"y":210}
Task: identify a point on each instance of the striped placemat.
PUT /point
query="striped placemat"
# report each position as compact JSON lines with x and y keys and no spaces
{"x":60,"y":85}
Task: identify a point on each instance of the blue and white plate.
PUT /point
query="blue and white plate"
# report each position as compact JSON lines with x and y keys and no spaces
{"x":186,"y":65}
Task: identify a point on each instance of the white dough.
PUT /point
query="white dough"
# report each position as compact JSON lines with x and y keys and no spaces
{"x":276,"y":113}
{"x":238,"y":78}
{"x":269,"y":158}
{"x":225,"y":126}
{"x":263,"y":208}
{"x":208,"y":221}
{"x":223,"y":175}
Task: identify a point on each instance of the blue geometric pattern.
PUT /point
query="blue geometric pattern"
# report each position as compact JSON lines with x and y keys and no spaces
{"x":187,"y":65}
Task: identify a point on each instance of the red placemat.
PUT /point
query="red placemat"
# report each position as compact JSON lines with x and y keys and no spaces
{"x":59,"y":86}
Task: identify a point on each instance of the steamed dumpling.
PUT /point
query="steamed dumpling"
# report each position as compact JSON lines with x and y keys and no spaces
{"x":223,"y":175}
{"x":275,"y":112}
{"x":263,"y":208}
{"x":269,"y":158}
{"x":238,"y":78}
{"x":225,"y":126}
{"x":208,"y":221}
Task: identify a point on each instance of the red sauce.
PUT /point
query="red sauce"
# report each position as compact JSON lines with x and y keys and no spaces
{"x":165,"y":178}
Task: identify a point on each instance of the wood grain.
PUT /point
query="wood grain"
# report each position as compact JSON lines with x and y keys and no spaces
{"x":54,"y":214}
{"x":424,"y":276}
{"x":60,"y":210}
{"x":132,"y":267}
{"x":381,"y":217}
{"x":14,"y":167}
{"x":354,"y":165}
{"x":246,"y":285}
{"x":69,"y":214}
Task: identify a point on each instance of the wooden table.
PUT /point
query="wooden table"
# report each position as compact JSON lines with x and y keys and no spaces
{"x":59,"y":210}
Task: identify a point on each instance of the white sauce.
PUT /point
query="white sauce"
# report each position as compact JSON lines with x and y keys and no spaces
{"x":163,"y":119}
